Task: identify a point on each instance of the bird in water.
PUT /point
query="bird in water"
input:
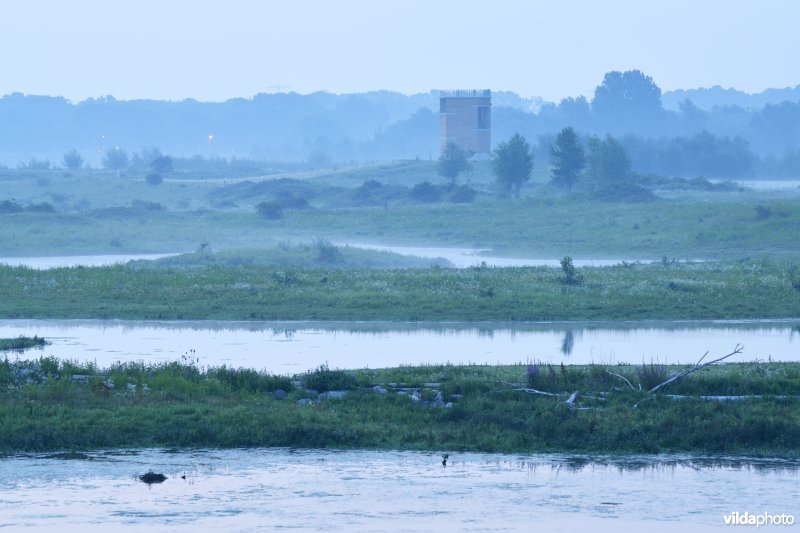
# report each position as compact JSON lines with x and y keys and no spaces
{"x":444,"y":459}
{"x":151,"y":477}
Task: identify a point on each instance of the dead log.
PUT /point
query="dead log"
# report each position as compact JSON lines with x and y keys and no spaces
{"x":683,"y":373}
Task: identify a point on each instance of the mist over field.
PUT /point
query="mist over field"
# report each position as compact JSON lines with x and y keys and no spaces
{"x":261,"y":262}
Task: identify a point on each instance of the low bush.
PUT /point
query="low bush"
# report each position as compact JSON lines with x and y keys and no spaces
{"x":270,"y":210}
{"x":461,"y":194}
{"x":324,"y":379}
{"x":426,"y":192}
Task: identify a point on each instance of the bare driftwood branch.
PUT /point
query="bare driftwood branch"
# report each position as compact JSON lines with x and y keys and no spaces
{"x":682,"y":374}
{"x":534,"y":391}
{"x":734,"y":398}
{"x":623,"y":378}
{"x":572,"y":397}
{"x":519,"y":388}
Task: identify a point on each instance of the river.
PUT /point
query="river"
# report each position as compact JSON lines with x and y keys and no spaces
{"x":305,"y":490}
{"x":294,"y":347}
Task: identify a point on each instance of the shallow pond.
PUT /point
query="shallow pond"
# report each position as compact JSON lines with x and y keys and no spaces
{"x":293,"y":347}
{"x":767,"y":185}
{"x":458,"y":257}
{"x":43,"y":263}
{"x":267,"y":489}
{"x":468,"y":257}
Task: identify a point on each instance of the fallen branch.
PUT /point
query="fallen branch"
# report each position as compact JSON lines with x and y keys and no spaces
{"x":623,"y":378}
{"x":734,"y":398}
{"x":572,"y":398}
{"x":534,"y":391}
{"x":520,"y":388}
{"x":682,"y":374}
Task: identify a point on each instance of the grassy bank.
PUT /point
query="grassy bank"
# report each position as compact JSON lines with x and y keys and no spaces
{"x":670,"y":291}
{"x":551,"y":227}
{"x":58,"y":405}
{"x":320,"y":253}
{"x":21,"y":343}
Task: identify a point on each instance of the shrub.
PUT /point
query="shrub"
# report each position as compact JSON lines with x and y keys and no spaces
{"x":624,"y":192}
{"x":144,"y":205}
{"x":327,"y":252}
{"x":43,"y":207}
{"x":8,"y":207}
{"x":532,"y":375}
{"x":324,"y":379}
{"x":763,"y":212}
{"x":651,"y":375}
{"x":294,"y":202}
{"x":154,"y":178}
{"x":369,"y":192}
{"x":571,"y":276}
{"x":426,"y":192}
{"x":270,"y":210}
{"x":249,"y":380}
{"x":462,"y":194}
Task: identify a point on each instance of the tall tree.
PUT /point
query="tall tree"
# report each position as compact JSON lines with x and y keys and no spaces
{"x":512,"y":163}
{"x":453,"y":161}
{"x":161,"y":164}
{"x":115,"y":159}
{"x":567,"y":158}
{"x":73,"y":160}
{"x":627,"y":100}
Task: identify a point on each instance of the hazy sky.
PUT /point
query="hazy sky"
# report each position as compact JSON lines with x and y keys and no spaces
{"x":214,"y":50}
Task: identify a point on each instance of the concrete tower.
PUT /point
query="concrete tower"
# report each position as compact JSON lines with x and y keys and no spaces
{"x":465,"y":118}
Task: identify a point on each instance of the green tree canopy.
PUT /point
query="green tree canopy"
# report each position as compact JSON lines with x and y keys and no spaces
{"x":73,"y":160}
{"x":567,"y":158}
{"x":115,"y":159}
{"x":161,"y":164}
{"x":608,"y":161}
{"x":627,"y":100}
{"x":453,"y":161}
{"x":512,"y":163}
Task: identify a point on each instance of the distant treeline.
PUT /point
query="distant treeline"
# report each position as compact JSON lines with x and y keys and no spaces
{"x":754,"y":135}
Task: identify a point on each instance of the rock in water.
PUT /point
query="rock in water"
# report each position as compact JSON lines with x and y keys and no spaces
{"x":151,"y":477}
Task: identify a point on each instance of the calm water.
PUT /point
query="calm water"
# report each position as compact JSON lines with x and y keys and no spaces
{"x":468,"y":257}
{"x":43,"y":263}
{"x":458,"y":257}
{"x":267,"y":489}
{"x":290,"y":347}
{"x":768,"y":185}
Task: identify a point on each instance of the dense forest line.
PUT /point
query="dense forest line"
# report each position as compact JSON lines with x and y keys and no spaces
{"x":712,"y":132}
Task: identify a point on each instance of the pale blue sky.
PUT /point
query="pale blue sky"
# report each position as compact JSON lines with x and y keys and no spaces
{"x":175,"y":49}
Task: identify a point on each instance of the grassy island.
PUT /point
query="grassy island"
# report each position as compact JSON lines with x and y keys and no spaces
{"x":21,"y":343}
{"x":631,"y":291}
{"x":737,"y":408}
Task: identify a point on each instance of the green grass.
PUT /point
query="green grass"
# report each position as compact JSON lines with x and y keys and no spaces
{"x":179,"y":404}
{"x":21,"y":343}
{"x":725,"y":290}
{"x":319,"y":253}
{"x":106,"y":215}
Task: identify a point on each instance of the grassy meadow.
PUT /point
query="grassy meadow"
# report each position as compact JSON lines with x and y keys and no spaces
{"x":100,"y":214}
{"x":260,"y":249}
{"x":671,"y":291}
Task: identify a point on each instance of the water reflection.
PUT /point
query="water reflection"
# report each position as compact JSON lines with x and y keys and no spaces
{"x":289,"y":347}
{"x":568,"y":342}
